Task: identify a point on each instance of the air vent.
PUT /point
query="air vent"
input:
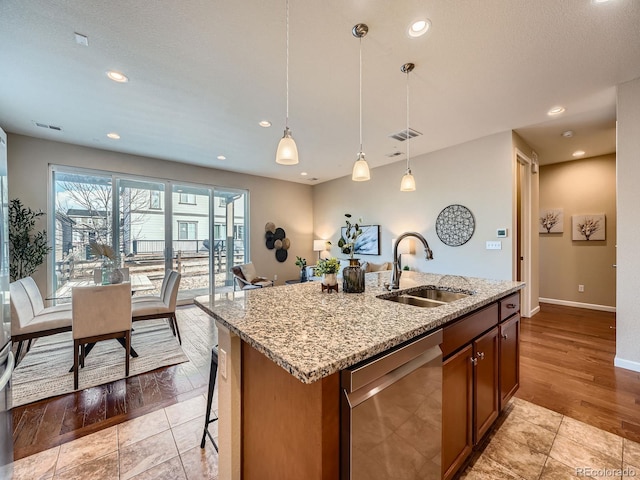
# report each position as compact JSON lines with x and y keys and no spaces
{"x":50,"y":127}
{"x":394,"y":154}
{"x":403,"y":135}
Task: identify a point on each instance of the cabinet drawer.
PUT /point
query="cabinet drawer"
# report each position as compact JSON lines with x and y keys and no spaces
{"x":465,"y":330}
{"x":509,"y":306}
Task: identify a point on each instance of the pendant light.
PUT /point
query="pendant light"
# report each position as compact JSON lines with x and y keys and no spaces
{"x":287,"y":153}
{"x":408,"y":183}
{"x":360,"y":168}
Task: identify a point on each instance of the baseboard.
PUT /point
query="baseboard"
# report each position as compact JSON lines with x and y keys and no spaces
{"x":534,"y":311}
{"x":626,"y":364}
{"x":567,"y":303}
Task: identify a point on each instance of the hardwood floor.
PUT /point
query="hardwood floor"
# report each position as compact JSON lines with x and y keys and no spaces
{"x":47,"y":423}
{"x":566,"y":365}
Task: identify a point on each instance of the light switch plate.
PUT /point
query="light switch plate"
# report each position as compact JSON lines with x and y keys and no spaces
{"x":222,"y":359}
{"x":494,"y":245}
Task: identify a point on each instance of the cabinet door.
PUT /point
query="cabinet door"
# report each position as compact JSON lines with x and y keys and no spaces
{"x":485,"y":389}
{"x":509,"y":359}
{"x":457,"y":410}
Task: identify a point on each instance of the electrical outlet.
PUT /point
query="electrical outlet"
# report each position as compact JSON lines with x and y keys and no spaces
{"x":581,"y":288}
{"x":494,"y":245}
{"x":222,"y":363}
{"x":275,"y":277}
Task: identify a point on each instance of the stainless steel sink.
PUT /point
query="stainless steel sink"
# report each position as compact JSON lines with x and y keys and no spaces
{"x":437,"y":294}
{"x":426,"y":297}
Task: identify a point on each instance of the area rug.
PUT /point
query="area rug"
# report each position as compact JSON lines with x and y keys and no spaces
{"x":44,"y":371}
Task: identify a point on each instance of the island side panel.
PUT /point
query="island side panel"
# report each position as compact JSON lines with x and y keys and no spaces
{"x":229,"y":388}
{"x":290,"y":430}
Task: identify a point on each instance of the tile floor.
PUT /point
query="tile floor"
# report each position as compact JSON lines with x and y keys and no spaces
{"x":533,"y":443}
{"x":529,"y":443}
{"x":164,"y":444}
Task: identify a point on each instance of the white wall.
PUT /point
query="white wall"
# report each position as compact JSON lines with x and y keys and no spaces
{"x":286,"y":204}
{"x":628,"y":199}
{"x":476,"y":174}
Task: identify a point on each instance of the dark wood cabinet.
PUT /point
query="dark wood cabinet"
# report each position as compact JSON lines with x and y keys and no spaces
{"x":457,"y":410}
{"x":509,"y":358}
{"x":480,"y":374}
{"x":485,"y":383}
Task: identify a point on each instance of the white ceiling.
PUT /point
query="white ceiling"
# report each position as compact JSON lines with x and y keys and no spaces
{"x":203,"y":73}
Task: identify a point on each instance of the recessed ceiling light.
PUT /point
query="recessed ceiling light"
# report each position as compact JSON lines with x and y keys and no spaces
{"x":578,"y":153}
{"x":419,"y":27}
{"x":113,"y":136}
{"x":304,"y":174}
{"x":598,"y":2}
{"x":117,"y":76}
{"x":567,"y":133}
{"x":221,"y":157}
{"x":557,"y":110}
{"x":265,"y":124}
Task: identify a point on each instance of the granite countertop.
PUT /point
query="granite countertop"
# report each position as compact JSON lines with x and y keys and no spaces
{"x":313,"y":334}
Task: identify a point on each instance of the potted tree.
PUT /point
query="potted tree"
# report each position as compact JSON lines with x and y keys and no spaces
{"x":27,"y":248}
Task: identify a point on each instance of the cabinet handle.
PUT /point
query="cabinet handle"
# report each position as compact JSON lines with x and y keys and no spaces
{"x":474,"y":361}
{"x":511,"y":305}
{"x":505,"y":336}
{"x":481,"y":355}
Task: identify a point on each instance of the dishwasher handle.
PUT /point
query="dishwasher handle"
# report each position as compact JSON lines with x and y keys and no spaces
{"x":362,"y":374}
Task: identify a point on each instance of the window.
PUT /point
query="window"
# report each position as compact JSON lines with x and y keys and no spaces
{"x":188,"y":198}
{"x":154,"y":200}
{"x":187,"y":230}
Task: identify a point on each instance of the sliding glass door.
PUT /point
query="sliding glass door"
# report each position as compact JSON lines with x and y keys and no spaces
{"x":190,"y":239}
{"x":152,"y":225}
{"x":141,"y":232}
{"x":83,"y":216}
{"x":231,"y":240}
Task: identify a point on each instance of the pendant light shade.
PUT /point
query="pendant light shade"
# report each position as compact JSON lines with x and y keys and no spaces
{"x":287,"y":153}
{"x":360,"y":168}
{"x":408,"y":183}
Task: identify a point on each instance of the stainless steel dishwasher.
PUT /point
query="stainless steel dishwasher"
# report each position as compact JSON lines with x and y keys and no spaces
{"x":391,"y":413}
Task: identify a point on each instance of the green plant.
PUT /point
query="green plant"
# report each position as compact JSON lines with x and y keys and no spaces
{"x":27,"y":249}
{"x":301,"y":262}
{"x":327,"y":265}
{"x":347,"y":241}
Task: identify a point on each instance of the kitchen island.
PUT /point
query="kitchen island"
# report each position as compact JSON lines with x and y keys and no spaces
{"x":281,"y":351}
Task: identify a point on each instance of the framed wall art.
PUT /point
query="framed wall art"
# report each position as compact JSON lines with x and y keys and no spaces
{"x":369,"y":242}
{"x":588,"y":227}
{"x":551,"y":220}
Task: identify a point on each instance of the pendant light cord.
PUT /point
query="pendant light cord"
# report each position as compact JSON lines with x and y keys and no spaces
{"x":287,"y":69}
{"x":408,"y":135}
{"x":360,"y":94}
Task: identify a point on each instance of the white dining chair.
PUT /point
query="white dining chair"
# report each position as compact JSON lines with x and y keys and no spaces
{"x":100,"y":312}
{"x":164,"y":306}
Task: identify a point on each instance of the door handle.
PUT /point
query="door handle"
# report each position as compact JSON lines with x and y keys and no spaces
{"x":505,"y":336}
{"x":480,"y":355}
{"x":474,"y":361}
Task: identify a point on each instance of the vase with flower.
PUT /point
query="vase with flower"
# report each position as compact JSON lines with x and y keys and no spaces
{"x":302,"y":263}
{"x":110,"y":273}
{"x":353,"y":275}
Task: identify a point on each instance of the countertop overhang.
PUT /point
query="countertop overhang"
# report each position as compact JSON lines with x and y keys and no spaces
{"x":313,"y":334}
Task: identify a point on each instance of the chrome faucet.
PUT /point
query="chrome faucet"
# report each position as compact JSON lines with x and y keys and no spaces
{"x":397,"y":267}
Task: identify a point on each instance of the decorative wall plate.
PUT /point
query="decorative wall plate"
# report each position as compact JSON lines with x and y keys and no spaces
{"x":455,"y":225}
